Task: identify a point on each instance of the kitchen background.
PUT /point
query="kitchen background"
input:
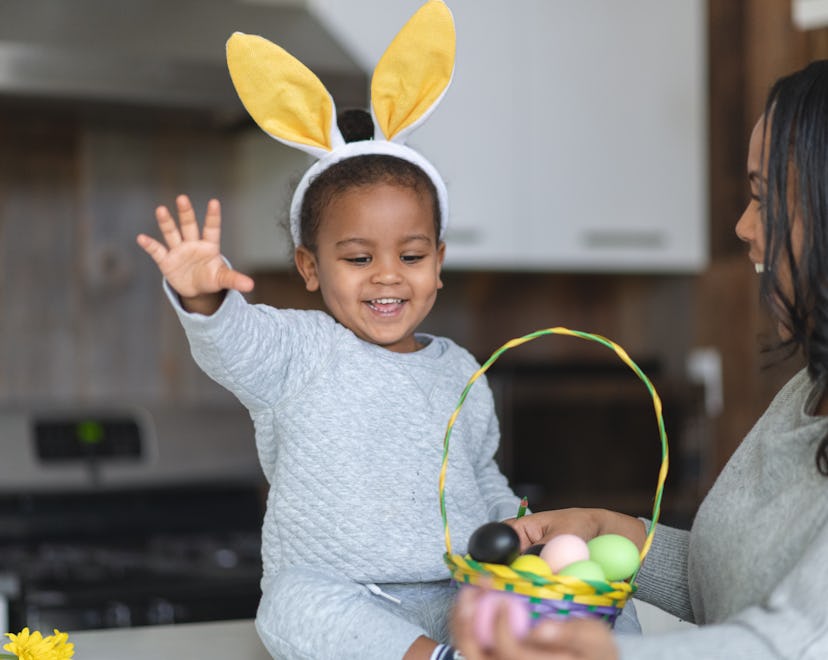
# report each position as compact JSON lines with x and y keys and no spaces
{"x":594,"y":153}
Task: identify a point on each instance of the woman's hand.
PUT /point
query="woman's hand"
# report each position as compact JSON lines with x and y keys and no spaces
{"x":192,"y":262}
{"x":579,"y":639}
{"x":539,"y":527}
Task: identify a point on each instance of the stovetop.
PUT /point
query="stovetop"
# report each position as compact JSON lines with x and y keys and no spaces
{"x":124,"y":516}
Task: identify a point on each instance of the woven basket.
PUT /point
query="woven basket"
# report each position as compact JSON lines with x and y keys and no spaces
{"x":556,"y":596}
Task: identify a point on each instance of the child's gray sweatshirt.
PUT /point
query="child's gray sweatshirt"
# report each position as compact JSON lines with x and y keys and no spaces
{"x":350,"y":439}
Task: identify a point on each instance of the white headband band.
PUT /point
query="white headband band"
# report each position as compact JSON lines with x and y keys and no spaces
{"x":291,"y":104}
{"x":362,"y":148}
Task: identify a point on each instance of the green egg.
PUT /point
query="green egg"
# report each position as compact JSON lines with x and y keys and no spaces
{"x":585,"y":569}
{"x":616,"y":554}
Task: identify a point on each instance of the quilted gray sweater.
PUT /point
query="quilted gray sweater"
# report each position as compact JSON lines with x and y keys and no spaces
{"x":350,"y":439}
{"x":753,"y":570}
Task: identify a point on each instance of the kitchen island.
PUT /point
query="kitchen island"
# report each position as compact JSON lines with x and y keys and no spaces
{"x":220,"y":640}
{"x":236,"y":640}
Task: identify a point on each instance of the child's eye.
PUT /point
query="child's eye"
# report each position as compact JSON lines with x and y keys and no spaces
{"x":411,"y":258}
{"x":359,"y":261}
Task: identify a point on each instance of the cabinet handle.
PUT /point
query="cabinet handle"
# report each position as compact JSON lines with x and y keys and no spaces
{"x":464,"y":236}
{"x":623,"y":239}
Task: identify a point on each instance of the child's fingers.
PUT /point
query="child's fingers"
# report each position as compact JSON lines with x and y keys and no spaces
{"x":167,"y":225}
{"x":212,"y":222}
{"x":187,"y":218}
{"x":152,"y":247}
{"x":233,"y":279}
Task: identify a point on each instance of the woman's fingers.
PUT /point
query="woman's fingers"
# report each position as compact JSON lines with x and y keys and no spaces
{"x":588,"y":639}
{"x":462,"y":623}
{"x":187,"y":218}
{"x":572,"y":639}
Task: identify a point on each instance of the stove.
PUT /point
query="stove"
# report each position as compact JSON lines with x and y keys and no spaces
{"x":125,"y":516}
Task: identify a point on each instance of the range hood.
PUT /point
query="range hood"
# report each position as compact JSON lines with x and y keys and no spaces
{"x":156,"y":54}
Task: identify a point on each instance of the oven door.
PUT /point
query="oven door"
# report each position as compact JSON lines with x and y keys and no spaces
{"x":132,"y":558}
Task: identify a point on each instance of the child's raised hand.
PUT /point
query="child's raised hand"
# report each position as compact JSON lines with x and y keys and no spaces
{"x":191,"y":261}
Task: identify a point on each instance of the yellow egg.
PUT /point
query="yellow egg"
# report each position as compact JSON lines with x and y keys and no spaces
{"x":531,"y":564}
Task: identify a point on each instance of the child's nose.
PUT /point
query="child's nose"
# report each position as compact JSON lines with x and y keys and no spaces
{"x":387,"y":271}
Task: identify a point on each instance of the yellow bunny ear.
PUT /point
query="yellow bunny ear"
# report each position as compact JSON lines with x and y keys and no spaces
{"x":283,"y":96}
{"x":414,"y":72}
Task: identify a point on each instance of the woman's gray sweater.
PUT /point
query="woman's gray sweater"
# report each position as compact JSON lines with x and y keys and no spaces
{"x":753,"y":570}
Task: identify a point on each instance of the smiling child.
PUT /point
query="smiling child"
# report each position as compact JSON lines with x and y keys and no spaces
{"x":349,"y":406}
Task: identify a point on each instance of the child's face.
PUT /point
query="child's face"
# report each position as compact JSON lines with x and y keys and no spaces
{"x":377,"y":263}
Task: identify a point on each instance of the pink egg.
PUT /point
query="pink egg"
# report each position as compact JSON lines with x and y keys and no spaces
{"x":563,"y":550}
{"x":517,"y":615}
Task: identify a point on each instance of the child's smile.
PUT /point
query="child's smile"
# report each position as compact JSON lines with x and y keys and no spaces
{"x":386,"y":306}
{"x":377,"y":263}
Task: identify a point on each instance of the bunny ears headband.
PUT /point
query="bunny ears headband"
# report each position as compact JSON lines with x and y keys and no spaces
{"x":291,"y":104}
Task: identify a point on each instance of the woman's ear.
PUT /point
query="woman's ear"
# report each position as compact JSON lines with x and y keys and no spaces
{"x":306,"y":265}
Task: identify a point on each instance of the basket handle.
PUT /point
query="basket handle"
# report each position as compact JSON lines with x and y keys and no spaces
{"x":662,"y":474}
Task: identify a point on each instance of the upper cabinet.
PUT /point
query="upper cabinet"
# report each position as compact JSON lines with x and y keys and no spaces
{"x":573,"y":136}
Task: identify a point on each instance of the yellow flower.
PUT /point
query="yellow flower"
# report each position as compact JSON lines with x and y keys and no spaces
{"x":33,"y":646}
{"x":29,"y":646}
{"x":64,"y":650}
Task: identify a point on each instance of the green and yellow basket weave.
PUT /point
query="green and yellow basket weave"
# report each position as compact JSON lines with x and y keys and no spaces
{"x":556,"y":596}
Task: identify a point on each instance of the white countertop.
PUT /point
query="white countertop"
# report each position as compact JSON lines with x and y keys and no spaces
{"x":233,"y":640}
{"x":220,"y":640}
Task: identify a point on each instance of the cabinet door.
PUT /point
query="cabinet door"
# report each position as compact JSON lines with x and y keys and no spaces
{"x":615,"y":112}
{"x":573,"y":136}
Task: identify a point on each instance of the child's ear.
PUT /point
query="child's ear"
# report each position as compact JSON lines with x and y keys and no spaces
{"x":441,"y":257}
{"x":306,"y":265}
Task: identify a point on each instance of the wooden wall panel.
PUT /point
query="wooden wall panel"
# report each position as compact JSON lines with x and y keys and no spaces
{"x":38,"y":285}
{"x":84,"y":318}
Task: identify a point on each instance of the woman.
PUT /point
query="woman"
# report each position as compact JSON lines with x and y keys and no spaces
{"x":752,"y":570}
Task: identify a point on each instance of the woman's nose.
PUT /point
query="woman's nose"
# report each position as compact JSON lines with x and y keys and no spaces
{"x":746,"y":226}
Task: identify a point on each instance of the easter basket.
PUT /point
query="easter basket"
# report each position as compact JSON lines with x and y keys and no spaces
{"x":552,"y":596}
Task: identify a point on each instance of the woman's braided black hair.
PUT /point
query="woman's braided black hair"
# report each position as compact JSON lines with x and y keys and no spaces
{"x":796,"y":128}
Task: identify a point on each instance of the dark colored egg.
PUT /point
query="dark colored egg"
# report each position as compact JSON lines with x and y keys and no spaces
{"x":534,"y":549}
{"x":494,"y":543}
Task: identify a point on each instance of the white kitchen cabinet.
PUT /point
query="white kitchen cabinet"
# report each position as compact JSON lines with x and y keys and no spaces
{"x":264,"y":176}
{"x":573,"y":137}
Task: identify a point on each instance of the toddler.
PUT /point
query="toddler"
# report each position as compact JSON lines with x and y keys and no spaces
{"x":350,"y":407}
